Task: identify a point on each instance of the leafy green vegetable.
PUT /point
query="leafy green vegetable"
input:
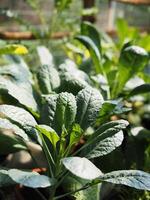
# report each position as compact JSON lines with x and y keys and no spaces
{"x":107,"y":138}
{"x":132,"y":178}
{"x":49,"y":133}
{"x":30,"y":179}
{"x":48,"y":79}
{"x":81,"y":167}
{"x":9,"y":144}
{"x":65,"y":111}
{"x":89,"y":102}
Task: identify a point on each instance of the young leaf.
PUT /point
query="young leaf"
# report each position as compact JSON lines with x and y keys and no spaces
{"x":91,"y":40}
{"x":30,"y":179}
{"x":75,"y":135}
{"x":89,"y":102}
{"x":132,"y":178}
{"x":89,"y":30}
{"x":81,"y":167}
{"x":48,"y":79}
{"x":47,"y":112}
{"x":49,"y":133}
{"x":133,"y":57}
{"x":132,"y":60}
{"x":94,"y":51}
{"x":65,"y":111}
{"x":107,"y":138}
{"x":59,"y":110}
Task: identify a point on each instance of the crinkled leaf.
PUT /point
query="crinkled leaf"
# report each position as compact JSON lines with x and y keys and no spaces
{"x":48,"y":109}
{"x":49,"y":133}
{"x":20,"y":117}
{"x":65,"y":111}
{"x":107,"y":138}
{"x":132,"y":178}
{"x":21,"y":94}
{"x":30,"y":179}
{"x":59,"y":110}
{"x":104,"y":146}
{"x":48,"y":79}
{"x":133,"y":57}
{"x":9,"y":144}
{"x":17,"y":114}
{"x":6,"y":124}
{"x":81,"y":167}
{"x":89,"y":102}
{"x":72,"y":79}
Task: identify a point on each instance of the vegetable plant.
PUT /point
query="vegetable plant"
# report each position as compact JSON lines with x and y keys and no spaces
{"x":58,"y":109}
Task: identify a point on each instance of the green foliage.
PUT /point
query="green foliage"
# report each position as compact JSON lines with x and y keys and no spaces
{"x":57,"y":111}
{"x":89,"y":102}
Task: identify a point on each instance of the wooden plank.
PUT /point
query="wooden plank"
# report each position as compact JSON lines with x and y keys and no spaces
{"x":136,"y":2}
{"x":7,"y":35}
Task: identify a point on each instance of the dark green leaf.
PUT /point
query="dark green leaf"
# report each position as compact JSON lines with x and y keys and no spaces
{"x":107,"y":138}
{"x":144,"y":88}
{"x":87,"y":29}
{"x":94,"y":51}
{"x":22,"y":95}
{"x":48,"y":109}
{"x":17,"y":114}
{"x":20,"y":117}
{"x":5,"y":180}
{"x":65,"y":111}
{"x":81,"y":167}
{"x":132,"y":178}
{"x":72,"y":79}
{"x":48,"y":79}
{"x":89,"y":102}
{"x":7,"y":125}
{"x":134,"y":57}
{"x":9,"y":144}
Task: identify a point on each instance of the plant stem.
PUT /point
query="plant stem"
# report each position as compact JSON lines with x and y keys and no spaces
{"x":72,"y":192}
{"x":40,"y":194}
